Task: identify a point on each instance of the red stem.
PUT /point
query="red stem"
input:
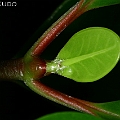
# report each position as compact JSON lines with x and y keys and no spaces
{"x":12,"y":69}
{"x":68,"y":101}
{"x":61,"y":98}
{"x":58,"y":27}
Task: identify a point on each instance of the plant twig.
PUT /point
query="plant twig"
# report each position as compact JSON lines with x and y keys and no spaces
{"x":59,"y":97}
{"x":73,"y":13}
{"x":68,"y":101}
{"x":11,"y":69}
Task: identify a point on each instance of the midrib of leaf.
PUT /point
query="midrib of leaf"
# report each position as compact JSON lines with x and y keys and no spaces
{"x":71,"y":61}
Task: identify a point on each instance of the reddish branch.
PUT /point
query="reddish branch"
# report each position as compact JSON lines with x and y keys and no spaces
{"x":59,"y":26}
{"x":71,"y":102}
{"x":12,"y":69}
{"x":63,"y":99}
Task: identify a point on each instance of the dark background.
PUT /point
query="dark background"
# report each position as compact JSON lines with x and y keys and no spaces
{"x":17,"y":25}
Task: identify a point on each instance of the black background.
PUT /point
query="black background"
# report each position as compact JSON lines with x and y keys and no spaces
{"x":17,"y":24}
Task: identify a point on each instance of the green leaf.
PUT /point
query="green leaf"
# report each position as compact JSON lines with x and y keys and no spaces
{"x":88,"y":56}
{"x":68,"y":116}
{"x":102,"y":3}
{"x":108,"y":110}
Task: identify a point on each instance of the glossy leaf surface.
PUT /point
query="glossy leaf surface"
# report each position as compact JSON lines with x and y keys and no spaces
{"x":102,"y":3}
{"x":68,"y":116}
{"x":110,"y":110}
{"x":88,"y":56}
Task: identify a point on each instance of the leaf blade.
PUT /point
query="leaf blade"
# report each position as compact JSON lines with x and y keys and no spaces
{"x":89,"y":61}
{"x":108,"y":110}
{"x":102,"y":3}
{"x":68,"y":116}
